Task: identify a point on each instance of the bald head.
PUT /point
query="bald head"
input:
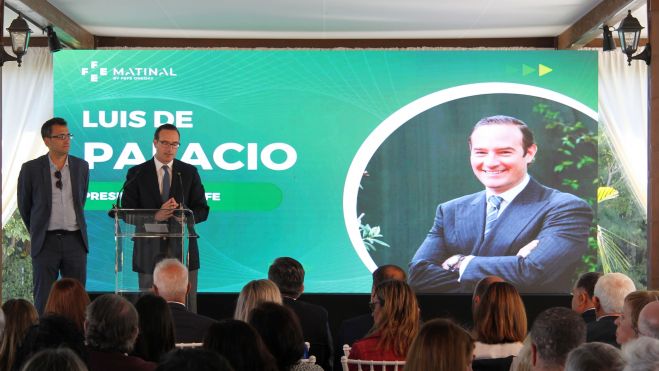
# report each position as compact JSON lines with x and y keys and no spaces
{"x":648,"y":320}
{"x":170,"y":280}
{"x":482,"y":286}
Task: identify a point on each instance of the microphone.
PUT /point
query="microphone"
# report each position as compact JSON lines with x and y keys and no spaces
{"x":117,"y":205}
{"x":180,"y":183}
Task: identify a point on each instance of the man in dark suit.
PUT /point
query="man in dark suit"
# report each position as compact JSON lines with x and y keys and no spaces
{"x":167,"y":184}
{"x":609,"y":298}
{"x":170,"y":281}
{"x":582,"y":296}
{"x":356,"y":328}
{"x":52,"y":190}
{"x":288,"y":275}
{"x":529,"y":235}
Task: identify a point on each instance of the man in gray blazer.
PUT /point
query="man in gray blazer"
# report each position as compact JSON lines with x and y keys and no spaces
{"x":52,"y":190}
{"x":529,"y":235}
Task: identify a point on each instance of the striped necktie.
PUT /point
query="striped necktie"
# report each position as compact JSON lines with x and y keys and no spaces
{"x":165,"y":183}
{"x":493,"y":204}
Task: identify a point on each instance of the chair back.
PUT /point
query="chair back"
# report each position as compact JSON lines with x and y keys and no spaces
{"x":364,"y":365}
{"x":492,"y":364}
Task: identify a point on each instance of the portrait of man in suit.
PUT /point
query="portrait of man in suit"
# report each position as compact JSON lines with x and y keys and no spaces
{"x":530,"y":235}
{"x":52,"y":190}
{"x":165,"y":183}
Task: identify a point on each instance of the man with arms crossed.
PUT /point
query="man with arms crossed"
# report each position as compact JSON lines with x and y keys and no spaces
{"x":165,"y":183}
{"x":52,"y":190}
{"x":517,"y":229}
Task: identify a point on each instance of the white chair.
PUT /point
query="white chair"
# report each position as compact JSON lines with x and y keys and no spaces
{"x":188,"y":345}
{"x":363,"y":365}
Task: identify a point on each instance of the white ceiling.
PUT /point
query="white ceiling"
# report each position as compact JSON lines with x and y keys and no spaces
{"x":325,"y":19}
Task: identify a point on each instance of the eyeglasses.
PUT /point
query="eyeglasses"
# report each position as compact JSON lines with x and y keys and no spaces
{"x":169,"y":144}
{"x":58,"y":183}
{"x":374,"y":303}
{"x":62,"y":136}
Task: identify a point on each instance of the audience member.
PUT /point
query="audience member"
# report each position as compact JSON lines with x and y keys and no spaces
{"x":642,"y":354}
{"x":254,"y":293}
{"x":609,"y":297}
{"x":280,"y":330}
{"x":627,"y":323}
{"x":396,"y":317}
{"x":55,"y":359}
{"x":20,"y":314}
{"x":357,"y":327}
{"x":582,"y":295}
{"x":499,"y":326}
{"x":156,"y":334}
{"x":524,"y":359}
{"x":480,"y":288}
{"x":52,"y":331}
{"x":68,"y":298}
{"x":648,"y":320}
{"x":555,"y":332}
{"x":241,"y":345}
{"x":595,"y":357}
{"x":193,"y":359}
{"x":440,"y":346}
{"x":170,"y":281}
{"x":111,"y":327}
{"x":288,"y":274}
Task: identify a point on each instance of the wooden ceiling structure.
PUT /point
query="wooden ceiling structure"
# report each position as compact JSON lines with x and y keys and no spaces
{"x":583,"y":32}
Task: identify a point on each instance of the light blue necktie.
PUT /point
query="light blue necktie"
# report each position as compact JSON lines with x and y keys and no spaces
{"x":165,"y":183}
{"x":493,"y":204}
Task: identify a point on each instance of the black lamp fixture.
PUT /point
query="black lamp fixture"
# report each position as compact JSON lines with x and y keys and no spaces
{"x":53,"y":41}
{"x":608,"y":43}
{"x":629,"y":33}
{"x":20,"y":38}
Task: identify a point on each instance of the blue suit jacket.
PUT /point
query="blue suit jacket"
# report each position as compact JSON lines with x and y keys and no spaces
{"x":143,"y":192}
{"x":560,"y":221}
{"x":35,"y":197}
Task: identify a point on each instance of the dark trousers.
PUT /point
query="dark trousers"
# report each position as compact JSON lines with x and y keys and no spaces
{"x":63,"y":253}
{"x":146,"y":283}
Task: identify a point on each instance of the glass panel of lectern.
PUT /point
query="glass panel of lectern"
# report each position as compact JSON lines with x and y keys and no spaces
{"x":143,"y":237}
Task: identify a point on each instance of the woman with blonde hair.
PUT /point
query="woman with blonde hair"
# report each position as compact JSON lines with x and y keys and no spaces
{"x":68,"y":299}
{"x":499,"y":323}
{"x":20,"y":315}
{"x":441,"y":346}
{"x":254,"y":293}
{"x":396,"y":324}
{"x":628,"y":322}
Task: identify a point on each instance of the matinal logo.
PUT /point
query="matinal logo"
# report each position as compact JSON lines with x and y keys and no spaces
{"x":95,"y":72}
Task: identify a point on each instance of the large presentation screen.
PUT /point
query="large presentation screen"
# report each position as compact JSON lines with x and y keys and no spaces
{"x":339,"y":159}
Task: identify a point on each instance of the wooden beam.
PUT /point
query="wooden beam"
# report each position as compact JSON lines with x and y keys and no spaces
{"x":68,"y":31}
{"x":653,"y":148}
{"x":588,"y":27}
{"x":137,"y":42}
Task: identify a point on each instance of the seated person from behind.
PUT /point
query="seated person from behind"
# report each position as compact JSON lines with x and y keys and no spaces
{"x":499,"y":323}
{"x":396,"y":317}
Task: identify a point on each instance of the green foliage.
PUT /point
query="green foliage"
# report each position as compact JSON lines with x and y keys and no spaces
{"x":370,"y":235}
{"x":16,"y":261}
{"x":622,"y":221}
{"x":576,"y":141}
